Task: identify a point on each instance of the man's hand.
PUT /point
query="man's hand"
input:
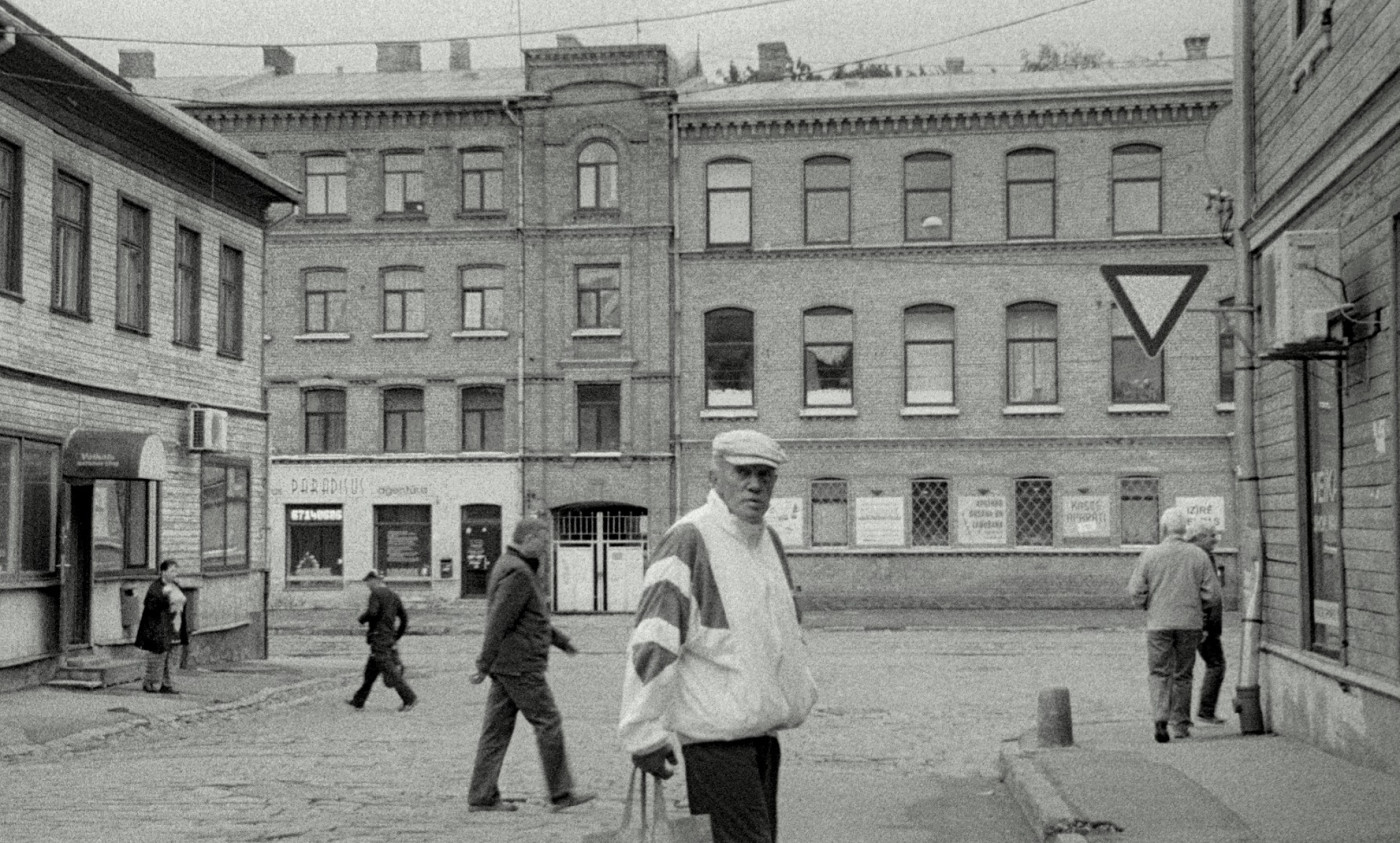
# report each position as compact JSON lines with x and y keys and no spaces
{"x":478,"y":677}
{"x":659,"y":762}
{"x":570,"y":649}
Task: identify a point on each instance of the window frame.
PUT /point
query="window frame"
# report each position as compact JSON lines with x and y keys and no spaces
{"x":485,"y":181}
{"x":189,"y":270}
{"x":421,"y":524}
{"x":941,"y":498}
{"x":819,"y":529}
{"x":72,"y":272}
{"x":149,"y":550}
{"x":18,"y":541}
{"x":11,"y":218}
{"x":302,"y":532}
{"x":604,"y":415}
{"x":809,"y":193}
{"x":409,"y":425}
{"x":1013,"y":341}
{"x":404,"y":297}
{"x":133,"y":290}
{"x":1011,"y":183}
{"x":1150,"y":526}
{"x":1024,"y":532}
{"x":330,"y":300}
{"x":1225,"y":348}
{"x":596,"y":297}
{"x":950,"y":343}
{"x":487,"y":422}
{"x":810,"y":361}
{"x":714,"y":348}
{"x":232,"y":266}
{"x":1129,"y":341}
{"x":491,"y":308}
{"x":914,"y":230}
{"x":323,"y":421}
{"x":1136,"y":148}
{"x":410,"y":181}
{"x":595,"y":176}
{"x":231,"y":467}
{"x":713,"y":194}
{"x":319,"y":185}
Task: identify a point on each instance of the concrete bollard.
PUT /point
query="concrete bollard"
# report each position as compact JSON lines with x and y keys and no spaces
{"x":1054,"y":724}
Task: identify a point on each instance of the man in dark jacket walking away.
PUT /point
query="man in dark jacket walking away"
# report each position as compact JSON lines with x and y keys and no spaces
{"x":515,"y":653}
{"x":388,"y":621}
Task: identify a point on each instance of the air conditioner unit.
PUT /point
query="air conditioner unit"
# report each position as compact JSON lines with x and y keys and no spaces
{"x":1307,"y":287}
{"x":208,"y":429}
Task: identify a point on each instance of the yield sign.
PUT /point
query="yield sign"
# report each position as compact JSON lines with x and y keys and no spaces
{"x":1153,"y":297}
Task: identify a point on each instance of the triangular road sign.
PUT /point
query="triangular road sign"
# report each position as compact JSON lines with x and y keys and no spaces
{"x":1153,"y":297}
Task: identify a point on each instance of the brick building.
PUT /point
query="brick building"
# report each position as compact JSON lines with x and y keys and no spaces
{"x":1319,"y":204}
{"x":468,"y":317}
{"x":130,"y":307}
{"x":900,"y":279}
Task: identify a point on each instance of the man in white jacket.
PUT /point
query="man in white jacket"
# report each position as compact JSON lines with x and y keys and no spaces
{"x":717,"y":660}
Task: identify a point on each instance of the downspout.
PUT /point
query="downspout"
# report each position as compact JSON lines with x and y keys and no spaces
{"x":675,"y":315}
{"x":263,"y":339}
{"x":520,"y":311}
{"x":1247,"y":704}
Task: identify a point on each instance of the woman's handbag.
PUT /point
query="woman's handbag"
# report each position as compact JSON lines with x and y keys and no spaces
{"x":657,"y":828}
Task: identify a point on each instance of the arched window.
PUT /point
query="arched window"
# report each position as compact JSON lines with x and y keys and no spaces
{"x":729,"y":203}
{"x":1032,"y":340}
{"x":597,"y":176}
{"x":325,"y":420}
{"x":1137,"y":189}
{"x":403,"y":420}
{"x":928,"y":196}
{"x":1030,"y":193}
{"x":826,"y":183}
{"x":729,"y":377}
{"x":483,"y":418}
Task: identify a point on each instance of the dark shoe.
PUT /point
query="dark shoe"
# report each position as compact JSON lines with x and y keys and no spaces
{"x":355,"y":705}
{"x":166,"y":689}
{"x":150,"y":689}
{"x":1159,"y":731}
{"x":1181,"y":731}
{"x":1211,"y":719}
{"x":408,"y":706}
{"x":569,"y":800}
{"x":498,"y":805}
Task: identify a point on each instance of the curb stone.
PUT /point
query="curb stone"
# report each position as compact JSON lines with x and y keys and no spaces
{"x":1041,"y":804}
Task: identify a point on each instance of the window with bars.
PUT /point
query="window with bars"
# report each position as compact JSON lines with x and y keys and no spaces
{"x":1035,"y":512}
{"x":929,"y":512}
{"x":829,"y":513}
{"x":1138,"y":509}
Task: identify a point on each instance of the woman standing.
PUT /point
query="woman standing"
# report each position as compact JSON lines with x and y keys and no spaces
{"x":162,"y":628}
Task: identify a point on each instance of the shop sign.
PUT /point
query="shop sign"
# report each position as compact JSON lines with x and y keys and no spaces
{"x":880,"y":521}
{"x":982,"y":519}
{"x":342,"y":486}
{"x":1210,"y":509}
{"x":1084,"y":516}
{"x":785,"y":517}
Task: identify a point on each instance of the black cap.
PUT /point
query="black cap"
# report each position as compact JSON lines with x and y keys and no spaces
{"x":372,"y":575}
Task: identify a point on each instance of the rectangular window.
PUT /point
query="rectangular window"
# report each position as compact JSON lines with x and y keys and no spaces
{"x":827,"y":188}
{"x":1035,"y":512}
{"x":70,"y":245}
{"x":325,"y":301}
{"x":928,"y":355}
{"x":1032,"y":343}
{"x":224,"y":508}
{"x":1137,"y":189}
{"x":10,"y":217}
{"x":728,"y":203}
{"x":599,"y":297}
{"x":325,"y":421}
{"x":1138,"y":509}
{"x":1030,"y":193}
{"x":230,"y":301}
{"x":187,"y":283}
{"x":928,"y":196}
{"x":929,"y":512}
{"x":1137,"y":378}
{"x":403,"y":541}
{"x":828,"y":338}
{"x":729,"y":358}
{"x":482,"y":180}
{"x":133,"y":266}
{"x":403,"y":420}
{"x":599,"y":417}
{"x":325,"y":185}
{"x":829,"y":513}
{"x":403,"y":183}
{"x":403,"y":301}
{"x":1320,"y":490}
{"x":29,"y":485}
{"x":314,"y":541}
{"x":1226,"y":392}
{"x":483,"y":298}
{"x":483,"y":418}
{"x":125,"y":519}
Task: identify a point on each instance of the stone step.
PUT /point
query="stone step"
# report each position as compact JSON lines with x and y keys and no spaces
{"x":98,"y":674}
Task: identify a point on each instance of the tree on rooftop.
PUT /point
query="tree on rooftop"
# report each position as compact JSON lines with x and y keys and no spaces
{"x":1063,"y":57}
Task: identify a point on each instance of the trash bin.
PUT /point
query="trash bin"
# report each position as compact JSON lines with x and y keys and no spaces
{"x":131,"y":605}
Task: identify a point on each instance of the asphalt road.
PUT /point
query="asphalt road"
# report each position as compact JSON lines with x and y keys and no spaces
{"x":900,"y":749}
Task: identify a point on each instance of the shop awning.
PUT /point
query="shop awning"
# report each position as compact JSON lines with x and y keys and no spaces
{"x":113,"y":455}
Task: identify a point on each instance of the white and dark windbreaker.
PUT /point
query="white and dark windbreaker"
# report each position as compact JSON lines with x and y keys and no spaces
{"x":717,"y":651}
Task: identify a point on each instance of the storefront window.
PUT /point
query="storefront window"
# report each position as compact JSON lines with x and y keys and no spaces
{"x":223,"y":499}
{"x":403,"y":541}
{"x":1322,"y":579}
{"x":314,"y":535}
{"x":28,"y":506}
{"x":125,"y":514}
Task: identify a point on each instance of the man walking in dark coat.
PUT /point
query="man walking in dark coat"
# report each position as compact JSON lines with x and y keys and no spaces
{"x":163,"y":627}
{"x":388,"y":621}
{"x":515,"y":653}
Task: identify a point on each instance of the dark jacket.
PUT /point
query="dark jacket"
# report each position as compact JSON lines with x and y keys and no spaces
{"x":518,"y":633}
{"x":386,"y":616}
{"x":156,"y":631}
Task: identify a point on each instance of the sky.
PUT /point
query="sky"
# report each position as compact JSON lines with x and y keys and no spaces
{"x":823,"y":33}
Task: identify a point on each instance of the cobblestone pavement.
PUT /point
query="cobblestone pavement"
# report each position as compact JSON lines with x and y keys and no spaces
{"x":905,"y":736}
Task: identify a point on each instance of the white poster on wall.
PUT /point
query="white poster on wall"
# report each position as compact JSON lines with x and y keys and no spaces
{"x":880,"y":521}
{"x":1084,"y":516}
{"x":982,"y":519}
{"x":785,"y":516}
{"x":1212,"y":509}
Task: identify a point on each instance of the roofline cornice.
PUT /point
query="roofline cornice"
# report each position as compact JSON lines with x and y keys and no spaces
{"x":295,"y":118}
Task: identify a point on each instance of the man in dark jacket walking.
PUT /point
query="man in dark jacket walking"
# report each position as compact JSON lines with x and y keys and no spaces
{"x":388,"y":621}
{"x":163,"y":627}
{"x":515,"y":653}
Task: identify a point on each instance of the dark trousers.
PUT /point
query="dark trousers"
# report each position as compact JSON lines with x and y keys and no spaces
{"x":526,"y":694}
{"x":1171,"y":657}
{"x":1213,"y":654}
{"x":384,"y":661}
{"x":736,"y":783}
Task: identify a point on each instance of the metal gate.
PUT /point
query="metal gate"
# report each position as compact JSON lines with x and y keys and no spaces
{"x":599,"y":554}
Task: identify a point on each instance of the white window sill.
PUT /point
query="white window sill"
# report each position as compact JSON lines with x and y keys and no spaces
{"x":483,"y":334}
{"x":1225,"y":407}
{"x":939,"y":410}
{"x":326,"y":337}
{"x":1139,"y":409}
{"x":1033,"y":410}
{"x":735,"y":413}
{"x":828,"y":413}
{"x":399,"y":336}
{"x":596,"y":455}
{"x":596,"y":333}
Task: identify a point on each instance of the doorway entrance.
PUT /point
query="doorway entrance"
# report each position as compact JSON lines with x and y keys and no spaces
{"x":76,"y":583}
{"x":599,"y":553}
{"x":481,"y":545}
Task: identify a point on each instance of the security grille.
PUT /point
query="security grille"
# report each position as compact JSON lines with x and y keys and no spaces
{"x":600,"y":525}
{"x":1138,"y":509}
{"x":930,"y":512}
{"x":1035,"y":511}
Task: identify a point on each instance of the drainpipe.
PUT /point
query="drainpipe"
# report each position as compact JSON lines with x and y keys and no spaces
{"x":519,"y":122}
{"x":675,"y":316}
{"x":1246,"y":363}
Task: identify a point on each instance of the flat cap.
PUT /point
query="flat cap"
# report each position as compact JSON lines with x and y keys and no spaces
{"x":748,"y":447}
{"x":372,"y":575}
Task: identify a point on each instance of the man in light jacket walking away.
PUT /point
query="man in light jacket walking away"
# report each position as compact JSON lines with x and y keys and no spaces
{"x":1175,"y":582}
{"x":717,"y":660}
{"x":515,"y":653}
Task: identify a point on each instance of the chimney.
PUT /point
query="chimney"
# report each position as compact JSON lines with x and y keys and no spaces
{"x":399,"y":57}
{"x":1196,"y":46}
{"x":567,"y":41}
{"x":278,"y":61}
{"x":459,"y":56}
{"x":136,"y":64}
{"x":774,"y":63}
{"x":954,"y":64}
